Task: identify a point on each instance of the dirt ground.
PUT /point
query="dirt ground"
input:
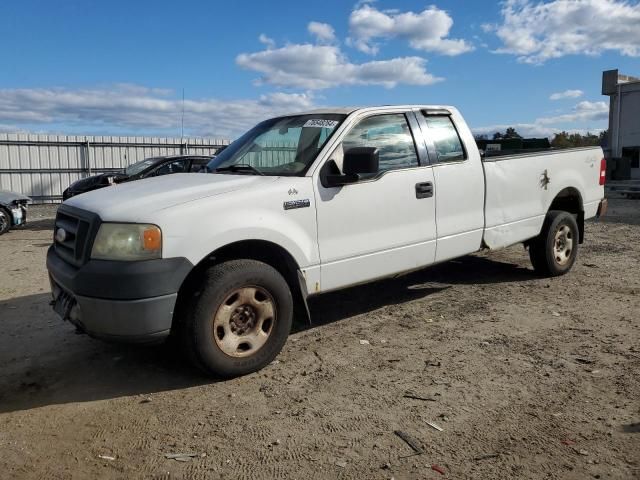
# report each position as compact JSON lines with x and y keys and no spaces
{"x":529,"y":378}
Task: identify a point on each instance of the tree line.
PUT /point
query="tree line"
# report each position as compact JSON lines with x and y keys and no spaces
{"x":560,"y":140}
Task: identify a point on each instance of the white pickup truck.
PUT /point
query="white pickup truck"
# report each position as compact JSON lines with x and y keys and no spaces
{"x":300,"y":205}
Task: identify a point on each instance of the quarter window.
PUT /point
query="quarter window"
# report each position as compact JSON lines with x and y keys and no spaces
{"x":445,"y":138}
{"x":390,"y":134}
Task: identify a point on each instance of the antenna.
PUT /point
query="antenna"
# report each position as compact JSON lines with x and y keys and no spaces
{"x":182,"y":118}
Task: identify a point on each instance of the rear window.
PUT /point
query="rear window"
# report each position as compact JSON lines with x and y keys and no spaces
{"x":445,"y":138}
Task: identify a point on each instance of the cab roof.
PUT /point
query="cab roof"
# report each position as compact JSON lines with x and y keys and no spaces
{"x":350,"y":110}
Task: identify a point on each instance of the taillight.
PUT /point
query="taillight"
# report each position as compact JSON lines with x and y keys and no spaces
{"x":603,"y":171}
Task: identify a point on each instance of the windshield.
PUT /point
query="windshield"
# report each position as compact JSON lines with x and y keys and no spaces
{"x":138,"y":167}
{"x":279,"y":146}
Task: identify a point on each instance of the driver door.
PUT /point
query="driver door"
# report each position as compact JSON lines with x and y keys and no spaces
{"x":382,"y":225}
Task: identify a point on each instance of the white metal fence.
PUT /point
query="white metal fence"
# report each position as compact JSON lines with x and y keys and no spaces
{"x":42,"y":166}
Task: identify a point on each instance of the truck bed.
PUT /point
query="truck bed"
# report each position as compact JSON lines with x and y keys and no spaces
{"x":519,"y":189}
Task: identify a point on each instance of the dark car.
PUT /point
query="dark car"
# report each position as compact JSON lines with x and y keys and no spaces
{"x":13,"y":210}
{"x":149,"y":167}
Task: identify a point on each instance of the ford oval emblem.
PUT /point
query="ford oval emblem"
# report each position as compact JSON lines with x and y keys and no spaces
{"x":61,"y":235}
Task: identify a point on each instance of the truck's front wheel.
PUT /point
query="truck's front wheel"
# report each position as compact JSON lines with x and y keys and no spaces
{"x":240,"y":320}
{"x":554,"y":251}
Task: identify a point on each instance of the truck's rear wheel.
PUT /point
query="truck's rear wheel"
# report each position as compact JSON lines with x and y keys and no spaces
{"x":240,"y":320}
{"x":554,"y":251}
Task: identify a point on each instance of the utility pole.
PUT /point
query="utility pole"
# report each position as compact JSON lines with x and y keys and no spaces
{"x":182,"y":118}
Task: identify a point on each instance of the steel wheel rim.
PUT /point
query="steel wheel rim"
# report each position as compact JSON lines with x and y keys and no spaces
{"x":244,"y":321}
{"x":563,"y":245}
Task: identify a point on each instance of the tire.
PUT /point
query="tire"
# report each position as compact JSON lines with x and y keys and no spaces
{"x":554,"y":251}
{"x":240,"y":319}
{"x":5,"y":221}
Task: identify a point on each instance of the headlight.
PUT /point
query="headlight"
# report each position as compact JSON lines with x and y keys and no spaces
{"x":127,"y":241}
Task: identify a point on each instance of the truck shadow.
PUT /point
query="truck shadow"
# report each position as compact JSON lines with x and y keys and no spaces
{"x":342,"y":304}
{"x":43,"y":362}
{"x":23,"y":232}
{"x":37,"y":225}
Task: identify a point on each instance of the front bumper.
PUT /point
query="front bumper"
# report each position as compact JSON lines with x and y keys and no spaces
{"x":144,"y":320}
{"x":124,"y":301}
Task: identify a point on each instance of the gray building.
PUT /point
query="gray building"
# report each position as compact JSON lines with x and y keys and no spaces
{"x":624,"y":124}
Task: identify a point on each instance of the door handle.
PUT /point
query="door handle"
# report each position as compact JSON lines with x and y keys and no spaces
{"x":424,"y":190}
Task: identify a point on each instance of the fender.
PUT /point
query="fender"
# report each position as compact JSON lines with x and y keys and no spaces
{"x":237,"y":217}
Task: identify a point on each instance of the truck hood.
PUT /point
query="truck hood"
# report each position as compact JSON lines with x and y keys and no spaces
{"x":131,"y":201}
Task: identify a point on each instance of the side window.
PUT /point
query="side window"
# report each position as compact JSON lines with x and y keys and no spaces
{"x":179,"y":166}
{"x":391,"y":135}
{"x":445,"y":137}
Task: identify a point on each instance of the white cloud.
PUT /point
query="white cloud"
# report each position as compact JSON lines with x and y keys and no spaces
{"x":323,"y":66}
{"x":566,"y":94}
{"x":537,"y":31}
{"x":323,"y":32}
{"x":140,"y":109}
{"x":8,"y":128}
{"x":427,"y":30}
{"x":134,"y":89}
{"x":584,"y":117}
{"x":267,"y":41}
{"x":361,"y":3}
{"x":583,"y":112}
{"x":488,"y":27}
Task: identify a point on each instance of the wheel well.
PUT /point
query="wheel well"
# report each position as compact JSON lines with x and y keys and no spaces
{"x":570,"y":200}
{"x":260,"y":250}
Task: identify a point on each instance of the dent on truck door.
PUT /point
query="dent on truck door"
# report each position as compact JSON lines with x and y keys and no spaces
{"x":459,"y":186}
{"x":381,"y":225}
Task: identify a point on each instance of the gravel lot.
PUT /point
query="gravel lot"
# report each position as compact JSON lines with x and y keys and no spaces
{"x":527,"y":377}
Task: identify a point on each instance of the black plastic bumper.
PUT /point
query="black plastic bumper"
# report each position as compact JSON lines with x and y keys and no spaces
{"x":120,"y":280}
{"x":127,"y":301}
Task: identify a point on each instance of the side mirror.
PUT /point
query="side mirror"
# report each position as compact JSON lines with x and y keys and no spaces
{"x":361,"y":161}
{"x":358,"y":162}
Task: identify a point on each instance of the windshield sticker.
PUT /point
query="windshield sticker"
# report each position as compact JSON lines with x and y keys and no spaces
{"x":320,"y":123}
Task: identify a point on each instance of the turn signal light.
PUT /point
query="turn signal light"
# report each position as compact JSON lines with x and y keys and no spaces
{"x":152,"y":238}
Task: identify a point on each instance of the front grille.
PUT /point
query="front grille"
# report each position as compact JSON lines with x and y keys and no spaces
{"x":80,"y":227}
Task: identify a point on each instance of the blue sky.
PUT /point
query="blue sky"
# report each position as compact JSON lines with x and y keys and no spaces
{"x":90,"y":67}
